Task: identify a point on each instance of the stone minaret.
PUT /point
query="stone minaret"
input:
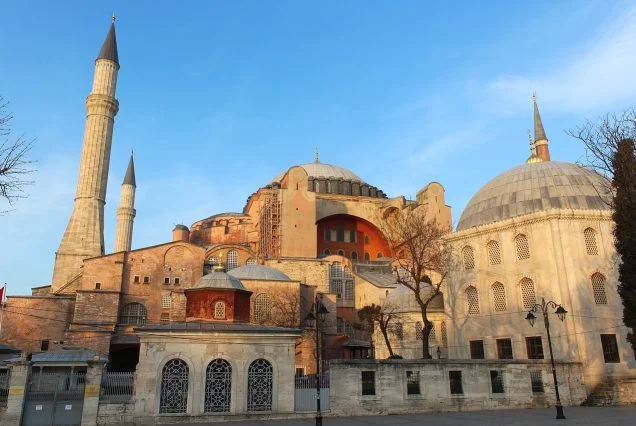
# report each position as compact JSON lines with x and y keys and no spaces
{"x":540,"y":139}
{"x":84,"y":235}
{"x":126,"y":210}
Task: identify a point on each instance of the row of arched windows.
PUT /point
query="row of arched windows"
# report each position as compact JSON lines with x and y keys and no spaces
{"x":522,"y":249}
{"x":175,"y":384}
{"x":528,"y":294}
{"x":232,"y":260}
{"x":353,"y":255}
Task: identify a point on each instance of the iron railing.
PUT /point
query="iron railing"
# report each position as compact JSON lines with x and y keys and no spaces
{"x":117,"y":386}
{"x":5,"y":376}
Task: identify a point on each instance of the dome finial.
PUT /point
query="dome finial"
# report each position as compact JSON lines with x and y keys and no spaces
{"x":114,"y":17}
{"x":316,"y":156}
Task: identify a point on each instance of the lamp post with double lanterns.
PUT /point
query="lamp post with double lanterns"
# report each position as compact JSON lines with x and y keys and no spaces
{"x":314,"y":320}
{"x":560,"y":312}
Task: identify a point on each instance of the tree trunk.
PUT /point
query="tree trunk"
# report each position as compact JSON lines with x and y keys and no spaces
{"x":426,"y":332}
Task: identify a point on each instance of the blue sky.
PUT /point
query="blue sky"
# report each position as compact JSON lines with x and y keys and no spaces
{"x":216,"y":98}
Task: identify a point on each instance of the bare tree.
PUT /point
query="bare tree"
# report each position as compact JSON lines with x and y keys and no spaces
{"x":15,"y":165}
{"x":374,"y":314}
{"x":422,"y":261}
{"x":601,"y":138}
{"x":284,"y":307}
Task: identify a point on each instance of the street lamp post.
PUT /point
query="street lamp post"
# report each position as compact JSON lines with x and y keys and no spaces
{"x":317,"y":317}
{"x":560,"y":311}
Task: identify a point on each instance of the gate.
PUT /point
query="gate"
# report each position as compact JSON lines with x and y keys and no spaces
{"x":54,"y":398}
{"x":305,"y":392}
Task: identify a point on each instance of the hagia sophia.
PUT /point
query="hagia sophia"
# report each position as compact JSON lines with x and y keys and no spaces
{"x":541,"y":230}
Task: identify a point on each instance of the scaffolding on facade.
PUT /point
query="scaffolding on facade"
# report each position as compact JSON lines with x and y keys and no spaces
{"x":270,"y":232}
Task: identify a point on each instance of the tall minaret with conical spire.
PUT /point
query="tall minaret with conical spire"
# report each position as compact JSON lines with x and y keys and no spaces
{"x":84,"y":235}
{"x":126,"y":211}
{"x":540,"y":139}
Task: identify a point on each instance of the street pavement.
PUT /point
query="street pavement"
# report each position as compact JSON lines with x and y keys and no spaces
{"x":579,"y":416}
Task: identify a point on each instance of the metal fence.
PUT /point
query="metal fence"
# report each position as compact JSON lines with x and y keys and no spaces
{"x":117,"y":386}
{"x":5,"y":376}
{"x":305,"y":389}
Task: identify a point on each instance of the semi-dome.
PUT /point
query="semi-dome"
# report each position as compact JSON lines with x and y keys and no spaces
{"x":535,"y":187}
{"x":258,"y":272}
{"x":402,"y":299}
{"x":218,"y":279}
{"x":323,"y":170}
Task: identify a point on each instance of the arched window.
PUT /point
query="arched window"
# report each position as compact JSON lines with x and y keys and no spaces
{"x":354,"y":255}
{"x":341,"y":282}
{"x":494,"y":253}
{"x":528,"y":295}
{"x":444,"y":333}
{"x":326,"y":252}
{"x":468,"y":256}
{"x":232,"y":260}
{"x":250,"y":261}
{"x":259,"y":386}
{"x":212,"y":260}
{"x":219,"y":310}
{"x":590,"y":242}
{"x":380,"y":255}
{"x":316,"y":186}
{"x":218,"y":386}
{"x":499,"y":297}
{"x":522,"y":247}
{"x":262,"y":307}
{"x":399,"y":330}
{"x":473,"y":300}
{"x":133,"y":314}
{"x":328,"y":183}
{"x":341,"y":252}
{"x":367,"y":256}
{"x":598,"y":288}
{"x":366,"y":239}
{"x":418,"y":330}
{"x":431,"y":336}
{"x":174,"y":387}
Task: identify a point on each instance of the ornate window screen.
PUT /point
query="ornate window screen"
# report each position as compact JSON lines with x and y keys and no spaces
{"x":260,"y":386}
{"x":133,"y":314}
{"x":418,"y":331}
{"x":341,"y":282}
{"x":165,"y":301}
{"x":165,"y":317}
{"x":499,"y":297}
{"x":494,"y":253}
{"x":219,"y":310}
{"x":528,"y":295}
{"x":590,"y":242}
{"x":522,"y":247}
{"x":218,"y":386}
{"x":399,"y":330}
{"x":432,"y":337}
{"x":444,"y":333}
{"x":598,"y":288}
{"x":232,"y":260}
{"x":250,"y":261}
{"x":174,"y":387}
{"x":262,"y":307}
{"x":468,"y":256}
{"x":473,"y":300}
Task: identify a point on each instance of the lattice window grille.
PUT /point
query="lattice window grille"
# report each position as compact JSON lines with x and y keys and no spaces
{"x":260,"y":386}
{"x":419,"y":335}
{"x":528,"y":295}
{"x":523,"y":249}
{"x":250,"y":261}
{"x":219,"y":310}
{"x":232,"y":260}
{"x":469,"y":257}
{"x":174,"y":387}
{"x":262,"y":307}
{"x":598,"y":288}
{"x":590,"y":242}
{"x":218,"y":386}
{"x":499,"y":297}
{"x":473,"y":300}
{"x":444,"y":333}
{"x":133,"y":314}
{"x":432,"y":336}
{"x":165,"y":317}
{"x":165,"y":301}
{"x":494,"y":253}
{"x":399,"y":330}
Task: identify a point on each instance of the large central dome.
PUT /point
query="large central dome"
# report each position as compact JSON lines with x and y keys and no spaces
{"x":322,"y":170}
{"x":534,"y":187}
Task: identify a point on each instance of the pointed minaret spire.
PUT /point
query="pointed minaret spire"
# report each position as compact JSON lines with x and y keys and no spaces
{"x":126,"y":212}
{"x":109,"y":48}
{"x":540,"y":139}
{"x":316,"y":160}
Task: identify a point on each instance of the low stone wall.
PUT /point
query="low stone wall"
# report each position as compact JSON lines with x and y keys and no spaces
{"x":613,"y":391}
{"x":391,"y":395}
{"x":120,"y":413}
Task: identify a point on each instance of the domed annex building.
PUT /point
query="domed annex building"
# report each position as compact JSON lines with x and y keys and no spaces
{"x":540,"y":231}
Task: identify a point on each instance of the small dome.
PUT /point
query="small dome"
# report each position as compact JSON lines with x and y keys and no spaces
{"x":535,"y":187}
{"x":218,"y":279}
{"x":180,"y":227}
{"x":402,"y":299}
{"x":258,"y":272}
{"x":322,"y":170}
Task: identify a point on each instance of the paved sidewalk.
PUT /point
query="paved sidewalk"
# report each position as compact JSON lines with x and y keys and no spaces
{"x":578,"y":416}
